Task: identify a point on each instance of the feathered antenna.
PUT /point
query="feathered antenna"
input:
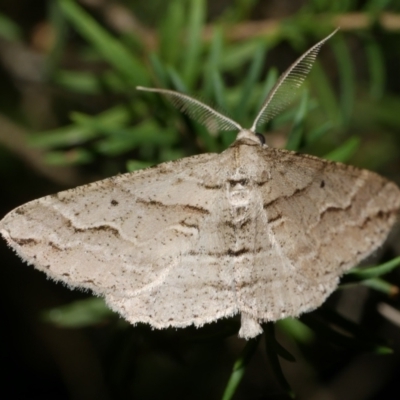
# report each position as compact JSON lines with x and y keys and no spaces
{"x":278,"y":98}
{"x":200,"y":112}
{"x":288,"y":84}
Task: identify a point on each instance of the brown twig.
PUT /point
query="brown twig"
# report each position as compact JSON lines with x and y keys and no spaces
{"x":123,"y":20}
{"x":347,"y":22}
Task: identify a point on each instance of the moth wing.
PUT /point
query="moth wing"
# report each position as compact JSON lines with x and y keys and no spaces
{"x":130,"y":238}
{"x":318,"y":219}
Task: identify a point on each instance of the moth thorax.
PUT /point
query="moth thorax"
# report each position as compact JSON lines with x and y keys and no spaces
{"x":238,"y":191}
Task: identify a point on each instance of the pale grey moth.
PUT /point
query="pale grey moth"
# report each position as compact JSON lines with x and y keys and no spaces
{"x":257,"y":231}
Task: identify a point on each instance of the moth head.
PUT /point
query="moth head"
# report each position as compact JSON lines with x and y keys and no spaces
{"x":246,"y":135}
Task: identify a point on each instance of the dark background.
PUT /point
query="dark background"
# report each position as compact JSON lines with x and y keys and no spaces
{"x":357,"y":89}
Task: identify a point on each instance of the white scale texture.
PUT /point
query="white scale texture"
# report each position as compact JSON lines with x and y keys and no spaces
{"x":259,"y":231}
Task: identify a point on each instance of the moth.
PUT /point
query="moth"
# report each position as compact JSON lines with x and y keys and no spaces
{"x":257,"y":231}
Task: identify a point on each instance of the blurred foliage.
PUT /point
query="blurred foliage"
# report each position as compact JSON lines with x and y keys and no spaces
{"x":93,"y":64}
